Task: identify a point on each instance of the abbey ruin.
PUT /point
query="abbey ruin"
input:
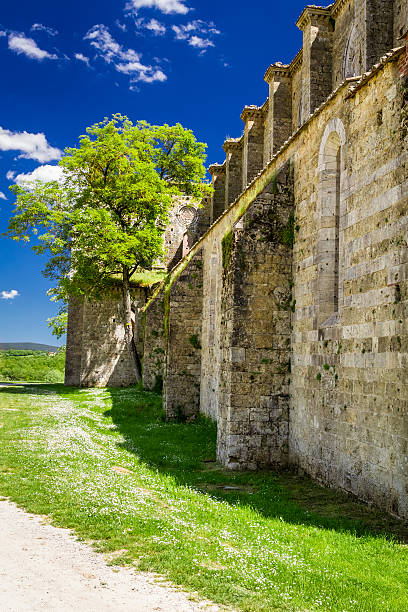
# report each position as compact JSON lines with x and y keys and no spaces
{"x":284,"y":313}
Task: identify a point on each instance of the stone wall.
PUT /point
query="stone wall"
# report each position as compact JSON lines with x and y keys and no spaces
{"x":349,"y":401}
{"x":183,"y":324}
{"x":154,"y":344}
{"x":255,"y":332}
{"x":97,"y":355}
{"x":400,"y":20}
{"x":74,"y":342}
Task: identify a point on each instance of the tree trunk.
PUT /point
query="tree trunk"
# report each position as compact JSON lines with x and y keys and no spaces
{"x":129,"y":333}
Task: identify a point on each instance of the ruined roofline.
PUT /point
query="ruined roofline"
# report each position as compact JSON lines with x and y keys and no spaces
{"x":217,"y":169}
{"x":313,"y":11}
{"x":233,"y":144}
{"x":278,"y":69}
{"x":264,"y":177}
{"x":252,"y":112}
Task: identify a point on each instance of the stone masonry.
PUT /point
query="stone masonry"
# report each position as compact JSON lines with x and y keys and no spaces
{"x":284,"y":316}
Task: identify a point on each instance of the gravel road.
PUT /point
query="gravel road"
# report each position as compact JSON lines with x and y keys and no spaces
{"x":45,"y":568}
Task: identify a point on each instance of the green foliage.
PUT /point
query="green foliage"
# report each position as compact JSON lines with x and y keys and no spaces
{"x":108,"y":215}
{"x":58,"y":324}
{"x":226,"y":245}
{"x":288,"y":232}
{"x":32,"y":366}
{"x":256,"y":542}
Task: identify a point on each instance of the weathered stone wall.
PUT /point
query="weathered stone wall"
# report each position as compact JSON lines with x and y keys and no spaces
{"x":348,"y":41}
{"x":233,"y":181}
{"x":255,"y":332}
{"x":74,"y":342}
{"x":317,"y":65}
{"x":400,"y":20}
{"x":218,"y":173}
{"x":154,"y":344}
{"x":349,"y":400}
{"x":211,"y":322}
{"x":183,"y":325}
{"x":97,"y":355}
{"x":253,"y":145}
{"x":296,"y":76}
{"x":183,"y":214}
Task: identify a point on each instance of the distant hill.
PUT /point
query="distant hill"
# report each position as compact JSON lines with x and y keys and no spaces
{"x":27,"y":346}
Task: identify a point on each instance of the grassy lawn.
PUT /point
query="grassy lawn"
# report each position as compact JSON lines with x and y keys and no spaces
{"x":104,"y":463}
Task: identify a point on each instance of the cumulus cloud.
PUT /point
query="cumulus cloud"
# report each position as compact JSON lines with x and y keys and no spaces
{"x":126,"y":61}
{"x":32,"y":146}
{"x":10,"y":175}
{"x":165,"y":6}
{"x":28,"y":47}
{"x":2,"y":196}
{"x":42,"y":173}
{"x":39,"y":27}
{"x":82,"y":58}
{"x":196,"y":33}
{"x":9,"y":295}
{"x":3,"y":33}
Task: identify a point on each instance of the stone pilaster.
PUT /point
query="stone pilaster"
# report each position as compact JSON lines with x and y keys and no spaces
{"x":278,"y":123}
{"x":183,"y":305}
{"x":255,"y":332}
{"x":317,"y":66}
{"x":252,"y":158}
{"x":218,"y":173}
{"x":233,"y":181}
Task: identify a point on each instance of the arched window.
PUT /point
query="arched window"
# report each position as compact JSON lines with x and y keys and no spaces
{"x":331,"y":159}
{"x":352,"y":57}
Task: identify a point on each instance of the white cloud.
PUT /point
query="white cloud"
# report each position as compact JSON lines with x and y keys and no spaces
{"x":10,"y":175}
{"x":2,"y":196}
{"x":154,"y":26}
{"x":3,"y":33}
{"x":28,"y":47}
{"x":107,"y":47}
{"x":200,"y":43}
{"x":9,"y":295}
{"x":190,"y":33}
{"x":32,"y":146}
{"x":42,"y":173}
{"x":165,"y":6}
{"x":126,"y":61}
{"x":82,"y":58}
{"x":39,"y":27}
{"x":121,"y":26}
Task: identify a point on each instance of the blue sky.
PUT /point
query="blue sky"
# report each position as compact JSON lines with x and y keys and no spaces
{"x":68,"y":65}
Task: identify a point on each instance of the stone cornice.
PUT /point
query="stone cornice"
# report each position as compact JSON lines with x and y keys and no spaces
{"x":252,"y":113}
{"x":216,"y":169}
{"x":233,"y":144}
{"x":338,"y":6}
{"x":311,"y":14}
{"x":276,"y":70}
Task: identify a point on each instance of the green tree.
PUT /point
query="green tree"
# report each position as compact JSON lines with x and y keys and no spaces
{"x":107,"y":216}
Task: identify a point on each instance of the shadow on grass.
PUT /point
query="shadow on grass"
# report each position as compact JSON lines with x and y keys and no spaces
{"x":187,"y":453}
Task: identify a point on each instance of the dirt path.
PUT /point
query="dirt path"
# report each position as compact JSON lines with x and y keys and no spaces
{"x":45,"y":568}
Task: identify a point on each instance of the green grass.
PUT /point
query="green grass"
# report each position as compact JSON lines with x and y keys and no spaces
{"x":104,"y":463}
{"x":147,"y":278}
